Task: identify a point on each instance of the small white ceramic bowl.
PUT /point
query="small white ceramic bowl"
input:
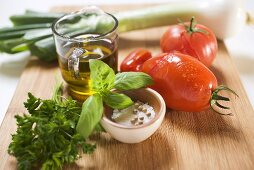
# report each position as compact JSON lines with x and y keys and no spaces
{"x":136,"y":134}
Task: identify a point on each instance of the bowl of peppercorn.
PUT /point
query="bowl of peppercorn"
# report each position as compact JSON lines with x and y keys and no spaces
{"x":137,"y":122}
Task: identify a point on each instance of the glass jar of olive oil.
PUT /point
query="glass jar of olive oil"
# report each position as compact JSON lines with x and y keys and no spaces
{"x":80,"y":36}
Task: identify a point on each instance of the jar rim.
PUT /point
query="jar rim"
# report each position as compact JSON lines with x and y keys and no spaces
{"x":100,"y":36}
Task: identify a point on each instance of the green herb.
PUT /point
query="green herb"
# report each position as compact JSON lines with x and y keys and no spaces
{"x":102,"y":76}
{"x":46,"y":138}
{"x":103,"y":81}
{"x":117,"y":101}
{"x":91,"y":114}
{"x":54,"y":130}
{"x":132,"y":80}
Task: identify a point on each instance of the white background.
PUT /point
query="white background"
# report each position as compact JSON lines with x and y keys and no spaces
{"x":241,"y":46}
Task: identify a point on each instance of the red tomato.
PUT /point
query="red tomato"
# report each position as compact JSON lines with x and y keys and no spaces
{"x":135,"y":59}
{"x":184,"y":82}
{"x":195,"y":40}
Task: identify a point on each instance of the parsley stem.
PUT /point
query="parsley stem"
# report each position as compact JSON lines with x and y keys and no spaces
{"x":66,"y":133}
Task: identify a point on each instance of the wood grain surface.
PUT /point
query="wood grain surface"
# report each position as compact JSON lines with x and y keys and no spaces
{"x":203,"y":140}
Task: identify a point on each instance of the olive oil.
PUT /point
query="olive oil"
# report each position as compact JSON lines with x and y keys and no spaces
{"x":77,"y":74}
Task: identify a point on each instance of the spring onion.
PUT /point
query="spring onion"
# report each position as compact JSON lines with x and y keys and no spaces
{"x":224,"y":17}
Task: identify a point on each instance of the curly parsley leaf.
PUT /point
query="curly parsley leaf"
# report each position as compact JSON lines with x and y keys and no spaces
{"x":46,"y":138}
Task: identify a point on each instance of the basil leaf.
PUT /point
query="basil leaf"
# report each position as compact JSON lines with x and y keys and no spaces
{"x":116,"y":100}
{"x":102,"y":76}
{"x":90,"y":115}
{"x":132,"y":80}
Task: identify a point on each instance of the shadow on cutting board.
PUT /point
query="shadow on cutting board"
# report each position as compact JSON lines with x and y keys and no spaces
{"x":154,"y":153}
{"x":206,"y":124}
{"x":36,"y":63}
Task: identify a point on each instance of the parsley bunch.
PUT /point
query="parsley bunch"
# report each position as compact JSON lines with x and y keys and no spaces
{"x":46,"y":138}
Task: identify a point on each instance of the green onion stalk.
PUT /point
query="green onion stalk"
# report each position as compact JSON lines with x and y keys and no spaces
{"x":31,"y":30}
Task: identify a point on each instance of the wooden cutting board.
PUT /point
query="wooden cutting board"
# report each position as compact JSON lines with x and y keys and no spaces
{"x":202,"y":140}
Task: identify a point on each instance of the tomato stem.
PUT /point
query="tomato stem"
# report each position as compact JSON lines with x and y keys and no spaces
{"x":216,"y":97}
{"x":192,"y":27}
{"x":192,"y":24}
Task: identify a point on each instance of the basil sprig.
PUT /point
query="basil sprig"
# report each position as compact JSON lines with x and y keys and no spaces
{"x":103,"y":80}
